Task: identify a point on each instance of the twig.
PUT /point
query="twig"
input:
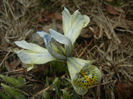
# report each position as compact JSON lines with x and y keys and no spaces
{"x":40,"y":92}
{"x":84,"y":49}
{"x":21,"y":69}
{"x":5,"y":57}
{"x":45,"y":89}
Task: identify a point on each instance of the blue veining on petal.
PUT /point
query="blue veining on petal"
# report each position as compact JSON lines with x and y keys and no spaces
{"x":47,"y":39}
{"x":62,"y":39}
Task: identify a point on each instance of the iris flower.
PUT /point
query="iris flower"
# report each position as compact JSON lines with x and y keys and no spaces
{"x":59,"y":47}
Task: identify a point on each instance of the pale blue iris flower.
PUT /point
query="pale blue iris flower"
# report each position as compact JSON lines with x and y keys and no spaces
{"x":58,"y":46}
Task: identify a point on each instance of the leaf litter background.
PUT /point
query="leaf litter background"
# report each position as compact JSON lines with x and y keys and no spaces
{"x":108,"y":40}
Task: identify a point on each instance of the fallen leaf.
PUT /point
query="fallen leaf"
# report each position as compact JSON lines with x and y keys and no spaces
{"x":123,"y":90}
{"x":46,"y":16}
{"x":12,"y":65}
{"x":111,"y":10}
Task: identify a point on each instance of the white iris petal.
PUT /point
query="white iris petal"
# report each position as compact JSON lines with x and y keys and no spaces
{"x":30,"y":57}
{"x":82,"y":71}
{"x":51,"y":50}
{"x":63,"y":40}
{"x":59,"y":38}
{"x":73,"y":24}
{"x":75,"y":65}
{"x":32,"y":53}
{"x":41,"y":33}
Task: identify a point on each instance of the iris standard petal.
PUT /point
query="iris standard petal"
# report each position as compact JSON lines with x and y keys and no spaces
{"x":66,"y":17}
{"x":59,"y":38}
{"x":47,"y":40}
{"x":41,"y":33}
{"x":73,"y":24}
{"x":63,"y":40}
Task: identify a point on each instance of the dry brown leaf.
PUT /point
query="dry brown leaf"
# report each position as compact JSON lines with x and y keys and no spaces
{"x":12,"y":65}
{"x":111,"y":10}
{"x":45,"y":16}
{"x":123,"y":90}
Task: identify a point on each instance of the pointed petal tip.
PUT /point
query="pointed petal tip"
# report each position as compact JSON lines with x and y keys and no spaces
{"x":86,"y":20}
{"x":51,"y":30}
{"x":16,"y":42}
{"x":65,"y":9}
{"x":41,"y":33}
{"x":21,"y":43}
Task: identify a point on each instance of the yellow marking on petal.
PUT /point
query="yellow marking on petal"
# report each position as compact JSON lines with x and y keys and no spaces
{"x":88,"y":76}
{"x":94,"y":78}
{"x":85,"y":76}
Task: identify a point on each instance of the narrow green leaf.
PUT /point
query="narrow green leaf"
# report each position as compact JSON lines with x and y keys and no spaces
{"x":47,"y":81}
{"x":56,"y":86}
{"x":3,"y":96}
{"x":56,"y":90}
{"x":13,"y":92}
{"x":66,"y":95}
{"x":55,"y":80}
{"x":75,"y":95}
{"x":12,"y":81}
{"x":45,"y":95}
